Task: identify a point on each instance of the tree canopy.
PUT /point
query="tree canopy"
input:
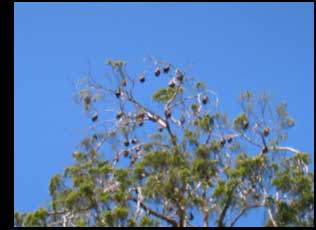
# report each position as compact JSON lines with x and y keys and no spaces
{"x":177,"y":161}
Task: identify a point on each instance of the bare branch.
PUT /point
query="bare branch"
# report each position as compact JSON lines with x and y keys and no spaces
{"x":155,"y":213}
{"x":242,"y":211}
{"x":271,"y":218}
{"x":205,"y":209}
{"x":284,"y":148}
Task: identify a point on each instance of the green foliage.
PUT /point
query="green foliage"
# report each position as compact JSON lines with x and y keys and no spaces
{"x":146,"y":222}
{"x":109,"y":218}
{"x":164,"y":94}
{"x":204,"y":169}
{"x":284,"y":119}
{"x":86,"y":188}
{"x":80,"y":222}
{"x":191,"y":137}
{"x":131,"y":223}
{"x":246,"y":165}
{"x":34,"y":219}
{"x":120,"y":213}
{"x":157,"y":160}
{"x":71,"y":199}
{"x":139,"y":170}
{"x":202,"y":152}
{"x":55,"y":184}
{"x":215,"y":146}
{"x":104,"y":196}
{"x":220,"y":118}
{"x":206,"y":122}
{"x":220,"y":188}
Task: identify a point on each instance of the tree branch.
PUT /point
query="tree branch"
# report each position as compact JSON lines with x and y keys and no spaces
{"x":160,"y":120}
{"x":284,"y":148}
{"x":205,"y":210}
{"x":271,"y":218}
{"x":232,"y":223}
{"x":155,"y":213}
{"x":55,"y":213}
{"x":220,"y":221}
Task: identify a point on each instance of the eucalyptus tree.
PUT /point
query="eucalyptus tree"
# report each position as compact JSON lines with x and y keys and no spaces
{"x":174,"y":159}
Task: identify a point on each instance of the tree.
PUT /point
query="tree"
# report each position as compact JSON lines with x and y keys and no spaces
{"x":178,"y":162}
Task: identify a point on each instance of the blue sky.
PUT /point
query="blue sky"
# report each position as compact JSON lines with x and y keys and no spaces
{"x":234,"y":46}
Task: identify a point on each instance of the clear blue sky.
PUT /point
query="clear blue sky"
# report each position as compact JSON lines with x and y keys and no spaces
{"x":235,"y":46}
